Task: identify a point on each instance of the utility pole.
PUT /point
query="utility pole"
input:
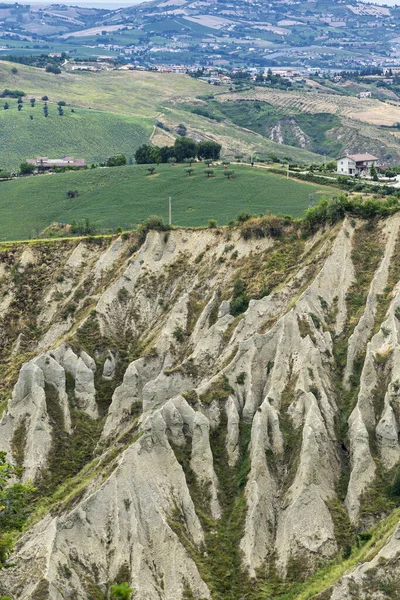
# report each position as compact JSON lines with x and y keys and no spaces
{"x":170,"y":211}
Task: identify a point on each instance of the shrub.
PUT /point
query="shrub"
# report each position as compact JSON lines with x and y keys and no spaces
{"x":240,"y":300}
{"x":179,"y":334}
{"x":121,"y":591}
{"x":265,"y":226}
{"x":212,"y":223}
{"x":116,"y":161}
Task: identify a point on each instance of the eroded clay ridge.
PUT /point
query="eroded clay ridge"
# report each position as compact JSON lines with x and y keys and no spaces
{"x":184,"y":439}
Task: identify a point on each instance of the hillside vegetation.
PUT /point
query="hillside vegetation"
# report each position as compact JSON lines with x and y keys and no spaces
{"x":125,"y":196}
{"x":151,"y":98}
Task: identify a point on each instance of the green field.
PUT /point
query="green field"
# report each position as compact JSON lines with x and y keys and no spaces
{"x":93,"y":135}
{"x":125,"y":196}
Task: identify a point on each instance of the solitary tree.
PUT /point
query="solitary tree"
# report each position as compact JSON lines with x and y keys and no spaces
{"x":228,"y":174}
{"x":208,"y":172}
{"x":189,"y":171}
{"x":151,"y":170}
{"x":6,"y":105}
{"x":14,"y":70}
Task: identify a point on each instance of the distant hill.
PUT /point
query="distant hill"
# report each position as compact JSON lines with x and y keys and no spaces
{"x":325,"y":33}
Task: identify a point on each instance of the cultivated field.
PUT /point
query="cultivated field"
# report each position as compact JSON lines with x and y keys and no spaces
{"x":125,"y":196}
{"x":90,"y":134}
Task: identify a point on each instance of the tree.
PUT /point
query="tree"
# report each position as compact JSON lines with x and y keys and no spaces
{"x":72,"y":193}
{"x":189,"y":161}
{"x":61,"y":103}
{"x":32,"y":101}
{"x":19,"y":101}
{"x":212,"y":223}
{"x":146,"y":155}
{"x":19,"y":107}
{"x":208,"y":172}
{"x":181,"y":130}
{"x":189,"y":171}
{"x":45,"y":98}
{"x":6,"y":106}
{"x":121,"y":591}
{"x":374,"y":173}
{"x":13,"y":505}
{"x":118,"y":160}
{"x":14,"y":70}
{"x":172,"y":160}
{"x":26,"y":168}
{"x":151,"y":170}
{"x":52,"y":68}
{"x":184,"y":148}
{"x":209,"y":150}
{"x":228,"y":174}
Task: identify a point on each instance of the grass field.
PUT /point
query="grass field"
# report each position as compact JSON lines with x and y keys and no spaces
{"x":125,"y":196}
{"x":90,"y":134}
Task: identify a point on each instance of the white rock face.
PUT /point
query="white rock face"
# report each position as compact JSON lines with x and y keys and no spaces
{"x":123,"y":524}
{"x":212,"y":413}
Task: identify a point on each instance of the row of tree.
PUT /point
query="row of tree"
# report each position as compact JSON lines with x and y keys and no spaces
{"x":184,"y":148}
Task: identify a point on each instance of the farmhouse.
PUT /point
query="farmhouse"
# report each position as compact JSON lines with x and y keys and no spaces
{"x":42,"y":163}
{"x":356,"y":164}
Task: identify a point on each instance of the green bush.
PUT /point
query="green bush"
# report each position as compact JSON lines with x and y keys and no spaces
{"x":121,"y":591}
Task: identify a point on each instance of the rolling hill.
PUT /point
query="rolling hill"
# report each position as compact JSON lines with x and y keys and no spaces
{"x":116,"y":98}
{"x":128,"y":108}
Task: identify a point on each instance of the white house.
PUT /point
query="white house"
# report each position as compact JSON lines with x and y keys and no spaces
{"x":356,"y":164}
{"x":364,"y":95}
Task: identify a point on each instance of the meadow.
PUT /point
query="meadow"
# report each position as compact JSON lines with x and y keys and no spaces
{"x":125,"y":196}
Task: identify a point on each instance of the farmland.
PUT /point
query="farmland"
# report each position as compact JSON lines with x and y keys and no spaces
{"x":125,"y":196}
{"x":93,"y":135}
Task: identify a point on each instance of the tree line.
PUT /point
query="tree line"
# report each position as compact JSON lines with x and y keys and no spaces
{"x":183,"y":148}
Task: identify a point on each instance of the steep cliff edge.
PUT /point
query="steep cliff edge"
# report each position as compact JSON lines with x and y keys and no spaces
{"x":205,"y":414}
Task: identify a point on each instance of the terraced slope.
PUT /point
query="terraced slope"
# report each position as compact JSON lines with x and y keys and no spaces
{"x":206,"y":414}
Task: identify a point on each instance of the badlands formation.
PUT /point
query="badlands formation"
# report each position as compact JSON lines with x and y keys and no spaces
{"x":205,"y":414}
